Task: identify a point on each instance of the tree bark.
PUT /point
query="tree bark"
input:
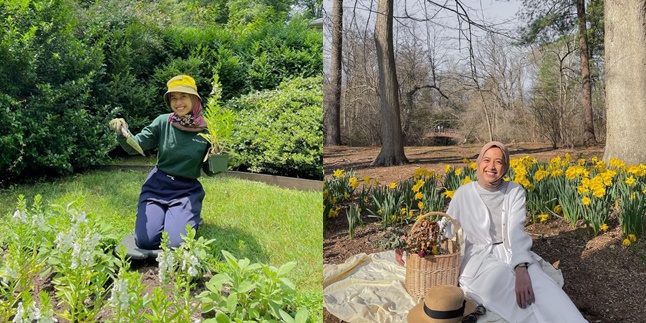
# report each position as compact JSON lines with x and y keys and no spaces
{"x":332,"y":117}
{"x":586,"y":91}
{"x":392,"y":147}
{"x":625,"y":74}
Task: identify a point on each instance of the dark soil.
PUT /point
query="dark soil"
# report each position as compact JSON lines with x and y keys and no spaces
{"x":604,"y":279}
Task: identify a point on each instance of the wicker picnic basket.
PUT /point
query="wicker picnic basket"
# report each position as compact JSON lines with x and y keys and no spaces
{"x":423,"y":273}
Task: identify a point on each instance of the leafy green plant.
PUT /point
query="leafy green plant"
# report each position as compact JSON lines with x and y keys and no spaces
{"x":353,"y":215}
{"x":219,"y":122}
{"x":127,"y":295}
{"x":251,"y":292}
{"x":182,"y":266}
{"x":82,"y":268}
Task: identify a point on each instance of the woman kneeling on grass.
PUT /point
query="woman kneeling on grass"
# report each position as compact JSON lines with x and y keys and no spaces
{"x":171,"y":196}
{"x":498,"y":268}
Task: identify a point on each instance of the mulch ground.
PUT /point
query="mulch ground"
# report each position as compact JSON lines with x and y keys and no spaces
{"x":604,"y":279}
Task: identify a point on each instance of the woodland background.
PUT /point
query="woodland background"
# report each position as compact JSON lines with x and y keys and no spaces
{"x":401,"y":70}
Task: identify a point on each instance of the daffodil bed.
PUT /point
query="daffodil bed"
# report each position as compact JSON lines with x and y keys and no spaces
{"x":578,"y":213}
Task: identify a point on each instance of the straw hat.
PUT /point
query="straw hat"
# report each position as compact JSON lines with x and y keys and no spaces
{"x":183,"y":84}
{"x":442,"y":304}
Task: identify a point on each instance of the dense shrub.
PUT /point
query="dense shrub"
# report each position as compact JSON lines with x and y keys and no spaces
{"x":53,"y":120}
{"x":280,"y":131}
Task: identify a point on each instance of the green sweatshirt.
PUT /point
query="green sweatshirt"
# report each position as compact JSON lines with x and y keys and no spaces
{"x":180,"y":153}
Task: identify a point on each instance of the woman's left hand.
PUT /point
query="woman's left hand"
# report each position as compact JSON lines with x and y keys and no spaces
{"x":524,"y":290}
{"x":399,"y":253}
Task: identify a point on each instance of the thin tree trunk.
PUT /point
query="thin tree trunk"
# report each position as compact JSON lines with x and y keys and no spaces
{"x":586,"y":92}
{"x":332,"y":118}
{"x":392,"y":147}
{"x":625,"y":75}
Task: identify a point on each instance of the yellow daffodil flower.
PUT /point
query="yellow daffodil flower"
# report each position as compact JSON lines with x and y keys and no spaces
{"x":632,"y":238}
{"x":338,"y":173}
{"x":393,"y":185}
{"x":354,"y":182}
{"x":627,"y":243}
{"x":604,"y":227}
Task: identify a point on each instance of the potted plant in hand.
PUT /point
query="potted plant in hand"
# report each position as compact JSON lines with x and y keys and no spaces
{"x":219,"y":122}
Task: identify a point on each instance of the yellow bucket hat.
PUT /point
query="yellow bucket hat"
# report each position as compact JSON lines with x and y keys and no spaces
{"x":183,"y":84}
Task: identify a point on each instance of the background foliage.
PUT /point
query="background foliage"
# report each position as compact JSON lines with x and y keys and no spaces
{"x":70,"y":66}
{"x":279,"y":131}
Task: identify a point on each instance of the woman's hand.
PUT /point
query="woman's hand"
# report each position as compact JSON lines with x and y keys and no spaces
{"x":116,"y":124}
{"x":524,"y":290}
{"x":398,"y":256}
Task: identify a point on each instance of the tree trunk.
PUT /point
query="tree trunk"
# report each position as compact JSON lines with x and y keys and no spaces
{"x":332,"y":118}
{"x":586,"y":92}
{"x":392,"y":147}
{"x":625,"y":74}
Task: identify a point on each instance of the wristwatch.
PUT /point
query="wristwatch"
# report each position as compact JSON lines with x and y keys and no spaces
{"x":522,"y":264}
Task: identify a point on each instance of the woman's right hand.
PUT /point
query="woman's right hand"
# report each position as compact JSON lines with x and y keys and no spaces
{"x":116,"y":124}
{"x":399,"y":253}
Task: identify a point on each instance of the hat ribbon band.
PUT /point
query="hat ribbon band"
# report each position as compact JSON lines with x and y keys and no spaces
{"x":180,"y":83}
{"x":443,"y":315}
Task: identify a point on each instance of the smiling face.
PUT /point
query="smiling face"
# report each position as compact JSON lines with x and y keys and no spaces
{"x":181,"y":103}
{"x":492,"y":165}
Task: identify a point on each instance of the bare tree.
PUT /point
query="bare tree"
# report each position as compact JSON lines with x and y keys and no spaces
{"x":586,"y":89}
{"x":552,"y":97}
{"x":392,"y":148}
{"x":332,"y":117}
{"x":625,"y":73}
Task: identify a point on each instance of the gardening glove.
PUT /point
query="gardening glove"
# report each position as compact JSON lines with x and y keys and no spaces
{"x":117,"y":123}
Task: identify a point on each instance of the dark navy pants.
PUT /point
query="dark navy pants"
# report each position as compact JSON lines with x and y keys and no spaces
{"x":167,"y":203}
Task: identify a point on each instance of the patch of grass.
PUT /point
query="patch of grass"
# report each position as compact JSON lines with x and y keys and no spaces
{"x":148,"y":160}
{"x":251,"y":220}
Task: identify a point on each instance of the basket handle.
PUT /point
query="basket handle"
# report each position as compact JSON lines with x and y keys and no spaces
{"x":455,"y":226}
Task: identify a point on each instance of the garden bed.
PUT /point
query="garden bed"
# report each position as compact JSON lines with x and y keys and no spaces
{"x":603,"y":278}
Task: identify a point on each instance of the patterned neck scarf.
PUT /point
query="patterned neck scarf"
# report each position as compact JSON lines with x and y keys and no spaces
{"x":192,"y":121}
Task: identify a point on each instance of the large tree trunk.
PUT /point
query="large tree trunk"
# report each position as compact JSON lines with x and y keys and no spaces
{"x":392,"y":147}
{"x":332,"y":117}
{"x":586,"y":93}
{"x":625,"y":74}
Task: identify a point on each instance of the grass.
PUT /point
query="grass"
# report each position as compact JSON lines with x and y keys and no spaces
{"x":249,"y":219}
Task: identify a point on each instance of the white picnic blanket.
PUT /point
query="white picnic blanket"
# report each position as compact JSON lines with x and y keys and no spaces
{"x":370,"y":288}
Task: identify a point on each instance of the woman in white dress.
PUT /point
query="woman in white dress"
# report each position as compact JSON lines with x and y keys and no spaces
{"x":498,"y":269}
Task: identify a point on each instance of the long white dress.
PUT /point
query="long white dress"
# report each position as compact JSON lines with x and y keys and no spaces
{"x":487,"y":271}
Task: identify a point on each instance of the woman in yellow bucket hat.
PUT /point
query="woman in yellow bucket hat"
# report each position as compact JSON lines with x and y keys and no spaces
{"x":171,"y":197}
